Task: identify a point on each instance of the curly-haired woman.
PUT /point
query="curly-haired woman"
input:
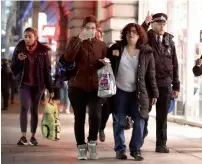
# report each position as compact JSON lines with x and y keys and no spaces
{"x":134,"y":68}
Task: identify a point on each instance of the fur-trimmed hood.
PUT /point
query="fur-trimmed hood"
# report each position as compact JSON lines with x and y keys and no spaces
{"x":21,"y":46}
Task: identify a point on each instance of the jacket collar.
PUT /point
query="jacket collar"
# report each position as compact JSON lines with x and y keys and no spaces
{"x":144,"y":47}
{"x":166,"y":37}
{"x":22,"y":47}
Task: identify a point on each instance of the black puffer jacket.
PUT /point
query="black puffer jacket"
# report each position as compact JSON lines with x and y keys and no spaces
{"x":165,"y":58}
{"x":146,"y":81}
{"x":43,"y":66}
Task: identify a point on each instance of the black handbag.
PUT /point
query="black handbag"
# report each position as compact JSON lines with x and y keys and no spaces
{"x":66,"y":69}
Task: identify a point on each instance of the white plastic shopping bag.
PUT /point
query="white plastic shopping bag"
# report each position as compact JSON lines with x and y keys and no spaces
{"x":107,"y":83}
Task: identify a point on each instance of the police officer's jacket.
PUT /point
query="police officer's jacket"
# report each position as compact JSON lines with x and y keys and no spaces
{"x":165,"y":60}
{"x":197,"y":70}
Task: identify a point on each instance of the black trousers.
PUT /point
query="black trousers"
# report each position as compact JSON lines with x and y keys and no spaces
{"x":5,"y":95}
{"x":162,"y":106}
{"x":13,"y":92}
{"x":80,"y":99}
{"x":105,"y":114}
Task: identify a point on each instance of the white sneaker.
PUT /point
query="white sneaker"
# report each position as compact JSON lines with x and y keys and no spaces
{"x":67,"y":111}
{"x":92,"y":150}
{"x":82,"y":152}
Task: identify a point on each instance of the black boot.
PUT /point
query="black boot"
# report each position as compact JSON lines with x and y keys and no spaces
{"x":137,"y":155}
{"x":4,"y":108}
{"x":162,"y":149}
{"x":121,"y":155}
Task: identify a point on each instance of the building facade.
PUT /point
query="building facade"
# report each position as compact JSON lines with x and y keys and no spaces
{"x":109,"y":14}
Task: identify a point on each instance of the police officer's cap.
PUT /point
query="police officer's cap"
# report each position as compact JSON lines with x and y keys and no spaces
{"x":159,"y":17}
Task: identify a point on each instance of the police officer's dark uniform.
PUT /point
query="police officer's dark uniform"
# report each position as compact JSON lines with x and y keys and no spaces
{"x":197,"y":69}
{"x":166,"y":75}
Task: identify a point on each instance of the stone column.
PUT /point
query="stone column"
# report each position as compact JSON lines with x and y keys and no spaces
{"x":78,"y":11}
{"x":35,"y":13}
{"x":116,"y":15}
{"x":62,"y":25}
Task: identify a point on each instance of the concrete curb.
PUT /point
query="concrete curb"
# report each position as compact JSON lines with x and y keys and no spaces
{"x":184,"y":122}
{"x":181,"y":121}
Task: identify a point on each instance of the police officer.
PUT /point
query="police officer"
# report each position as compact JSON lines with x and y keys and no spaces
{"x":197,"y":69}
{"x":166,"y":73}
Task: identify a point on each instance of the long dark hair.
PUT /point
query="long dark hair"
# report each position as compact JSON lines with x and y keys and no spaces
{"x":140,"y":31}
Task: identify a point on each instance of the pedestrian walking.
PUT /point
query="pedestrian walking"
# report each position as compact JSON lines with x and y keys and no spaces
{"x":167,"y":74}
{"x":32,"y":68}
{"x":6,"y":79}
{"x":85,"y":51}
{"x":134,"y":68}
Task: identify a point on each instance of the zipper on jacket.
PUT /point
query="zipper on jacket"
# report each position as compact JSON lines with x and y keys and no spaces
{"x":38,"y":63}
{"x":76,"y":75}
{"x":137,"y":86}
{"x":88,"y":62}
{"x":23,"y":71}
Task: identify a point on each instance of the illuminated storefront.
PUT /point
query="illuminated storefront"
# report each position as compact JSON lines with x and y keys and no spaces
{"x":184,"y":24}
{"x":47,"y":34}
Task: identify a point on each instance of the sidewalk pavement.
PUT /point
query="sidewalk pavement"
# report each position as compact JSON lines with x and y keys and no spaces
{"x":185,"y":143}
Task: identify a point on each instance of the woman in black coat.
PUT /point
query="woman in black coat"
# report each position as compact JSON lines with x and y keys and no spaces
{"x":31,"y":67}
{"x":134,"y":69}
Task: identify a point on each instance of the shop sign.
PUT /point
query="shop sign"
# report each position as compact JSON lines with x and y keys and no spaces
{"x":48,"y":31}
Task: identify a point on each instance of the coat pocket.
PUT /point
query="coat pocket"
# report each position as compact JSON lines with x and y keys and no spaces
{"x":167,"y":63}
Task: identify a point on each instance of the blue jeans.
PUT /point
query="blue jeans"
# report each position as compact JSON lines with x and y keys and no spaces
{"x":126,"y":104}
{"x":64,"y":99}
